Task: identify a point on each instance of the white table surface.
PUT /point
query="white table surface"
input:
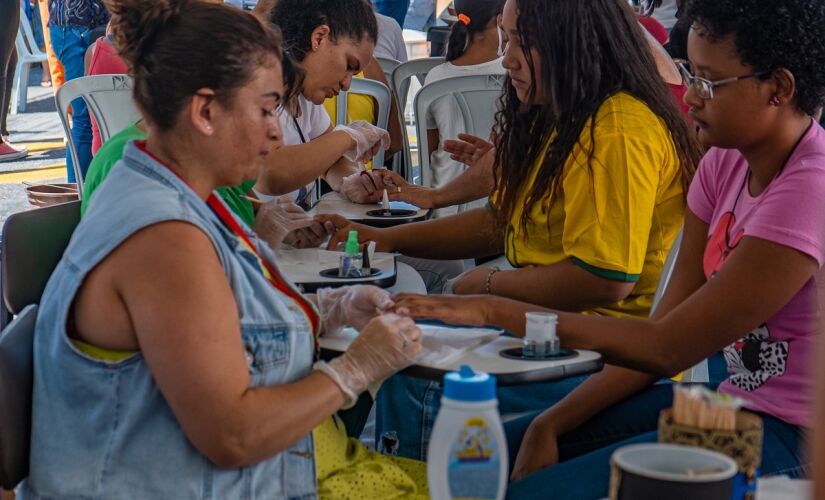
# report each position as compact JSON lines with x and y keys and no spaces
{"x":486,"y":358}
{"x":335,"y":203}
{"x":303,"y":266}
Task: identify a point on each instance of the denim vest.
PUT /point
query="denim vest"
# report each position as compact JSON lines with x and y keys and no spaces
{"x":102,"y":429}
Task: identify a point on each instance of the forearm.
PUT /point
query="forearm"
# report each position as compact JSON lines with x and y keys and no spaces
{"x":599,"y":392}
{"x":470,"y":234}
{"x":563,"y":286}
{"x":473,"y":184}
{"x":291,"y":167}
{"x":268,"y":420}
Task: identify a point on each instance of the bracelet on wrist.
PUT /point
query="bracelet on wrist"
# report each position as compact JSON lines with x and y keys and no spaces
{"x":488,"y":281}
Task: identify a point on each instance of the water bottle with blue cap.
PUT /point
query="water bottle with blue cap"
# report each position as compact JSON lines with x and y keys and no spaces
{"x":467,"y":457}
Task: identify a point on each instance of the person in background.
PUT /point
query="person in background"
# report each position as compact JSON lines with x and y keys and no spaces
{"x":666,"y":12}
{"x":396,"y":9}
{"x":474,"y":48}
{"x":746,"y":278}
{"x":9,"y":22}
{"x":327,"y":43}
{"x":37,"y":31}
{"x":172,"y":359}
{"x":58,"y":76}
{"x":71,"y":25}
{"x":390,"y":43}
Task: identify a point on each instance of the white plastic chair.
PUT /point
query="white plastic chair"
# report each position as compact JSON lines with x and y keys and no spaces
{"x":376,"y":90}
{"x":28,"y":53}
{"x":109,"y":98}
{"x":699,"y":373}
{"x":401,"y":79}
{"x":388,"y":65}
{"x":477,"y":99}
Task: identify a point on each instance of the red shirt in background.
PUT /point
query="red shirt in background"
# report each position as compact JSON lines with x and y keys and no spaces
{"x":105,"y":61}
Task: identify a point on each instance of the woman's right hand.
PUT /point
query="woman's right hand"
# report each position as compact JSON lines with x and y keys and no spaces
{"x":470,"y":149}
{"x":365,"y":233}
{"x":387,"y":344}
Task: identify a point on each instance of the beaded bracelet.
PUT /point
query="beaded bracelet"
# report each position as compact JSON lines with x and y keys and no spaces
{"x":493,"y":270}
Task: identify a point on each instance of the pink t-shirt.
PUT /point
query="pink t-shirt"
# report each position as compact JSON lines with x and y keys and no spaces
{"x":772,"y":367}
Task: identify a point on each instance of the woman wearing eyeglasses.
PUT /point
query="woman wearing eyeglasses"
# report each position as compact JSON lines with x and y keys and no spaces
{"x":748,"y":269}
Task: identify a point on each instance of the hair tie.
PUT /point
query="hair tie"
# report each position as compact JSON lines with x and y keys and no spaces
{"x":464,"y":18}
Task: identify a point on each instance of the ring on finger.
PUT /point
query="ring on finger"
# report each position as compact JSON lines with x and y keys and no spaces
{"x":398,"y":189}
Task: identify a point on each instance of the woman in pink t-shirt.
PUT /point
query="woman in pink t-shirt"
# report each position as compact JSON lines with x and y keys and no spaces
{"x":747,"y":273}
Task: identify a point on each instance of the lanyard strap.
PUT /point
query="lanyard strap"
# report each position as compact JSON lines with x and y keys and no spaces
{"x":269,"y":271}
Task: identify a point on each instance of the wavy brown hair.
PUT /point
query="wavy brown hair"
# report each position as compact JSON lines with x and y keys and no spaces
{"x":589,"y":50}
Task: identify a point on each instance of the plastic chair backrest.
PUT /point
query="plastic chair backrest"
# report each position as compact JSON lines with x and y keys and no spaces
{"x":16,"y":375}
{"x":413,"y":68}
{"x":26,"y":44}
{"x":477,"y":99}
{"x":400,"y":82}
{"x":382,"y":96}
{"x":388,"y":65}
{"x":33,"y":243}
{"x":109,"y":98}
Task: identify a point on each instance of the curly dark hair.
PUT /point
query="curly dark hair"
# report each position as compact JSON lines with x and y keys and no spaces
{"x":297,"y":19}
{"x":595,"y":50}
{"x":770,"y":35}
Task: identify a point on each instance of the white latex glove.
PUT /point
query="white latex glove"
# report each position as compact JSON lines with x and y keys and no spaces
{"x":368,"y":138}
{"x":363,"y":186}
{"x":387,"y":344}
{"x":352,"y":305}
{"x":277,"y":218}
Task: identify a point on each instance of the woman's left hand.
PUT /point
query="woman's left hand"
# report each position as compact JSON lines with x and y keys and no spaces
{"x":469,"y":310}
{"x":472,"y":282}
{"x":364,"y":186}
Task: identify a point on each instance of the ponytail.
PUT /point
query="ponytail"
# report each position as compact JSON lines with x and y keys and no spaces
{"x":474,"y":16}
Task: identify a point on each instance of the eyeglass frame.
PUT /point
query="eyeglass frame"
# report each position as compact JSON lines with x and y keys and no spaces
{"x":689,"y":79}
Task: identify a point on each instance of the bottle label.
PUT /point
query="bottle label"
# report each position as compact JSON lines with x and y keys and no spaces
{"x":473,"y":468}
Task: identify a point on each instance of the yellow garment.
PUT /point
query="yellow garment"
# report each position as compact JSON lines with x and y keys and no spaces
{"x":347,"y":470}
{"x":616,"y":218}
{"x":344,"y":467}
{"x":359,"y":107}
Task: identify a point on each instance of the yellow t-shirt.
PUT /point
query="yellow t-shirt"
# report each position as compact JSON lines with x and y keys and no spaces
{"x":616,"y":218}
{"x":359,"y":107}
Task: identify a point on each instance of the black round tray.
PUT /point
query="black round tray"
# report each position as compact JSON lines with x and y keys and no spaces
{"x":518,"y":353}
{"x":394,"y":212}
{"x":333,"y":273}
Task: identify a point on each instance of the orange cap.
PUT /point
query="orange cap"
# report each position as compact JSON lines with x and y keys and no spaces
{"x":464,"y":18}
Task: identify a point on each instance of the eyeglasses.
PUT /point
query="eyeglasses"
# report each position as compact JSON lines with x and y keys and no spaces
{"x":704,"y":88}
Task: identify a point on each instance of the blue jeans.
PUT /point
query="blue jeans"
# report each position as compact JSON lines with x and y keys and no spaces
{"x":70,"y":44}
{"x":396,"y":9}
{"x":583,"y":471}
{"x":407,"y":407}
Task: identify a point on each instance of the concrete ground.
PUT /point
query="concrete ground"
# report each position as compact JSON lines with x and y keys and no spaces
{"x":39,"y":129}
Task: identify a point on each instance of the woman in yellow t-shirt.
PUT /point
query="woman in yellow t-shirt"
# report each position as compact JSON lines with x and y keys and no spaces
{"x":591,"y":159}
{"x":590,"y":162}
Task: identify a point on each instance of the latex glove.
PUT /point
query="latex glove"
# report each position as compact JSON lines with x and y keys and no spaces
{"x":275,"y":219}
{"x":363,"y":187}
{"x":352,"y":305}
{"x":386,"y":345}
{"x":368,"y":139}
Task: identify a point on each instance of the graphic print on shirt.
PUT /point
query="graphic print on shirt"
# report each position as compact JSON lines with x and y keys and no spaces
{"x":754,"y":359}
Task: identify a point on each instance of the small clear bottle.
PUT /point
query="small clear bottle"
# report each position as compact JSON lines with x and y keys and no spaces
{"x":540,"y":339}
{"x":350,"y":263}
